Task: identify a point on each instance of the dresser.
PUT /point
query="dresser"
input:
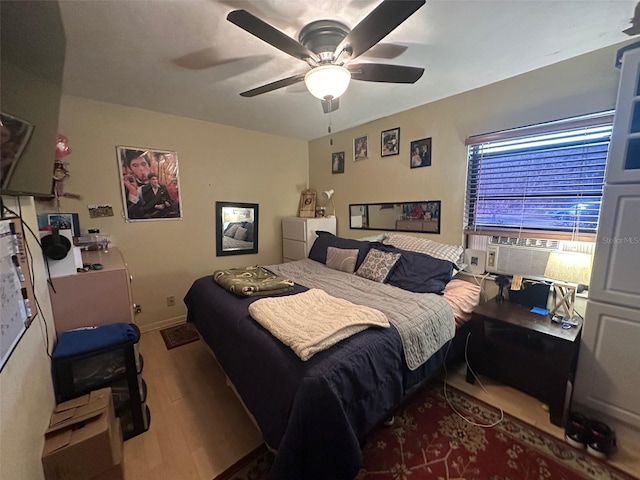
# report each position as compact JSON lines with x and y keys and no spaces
{"x":96,"y":297}
{"x":298,"y":235}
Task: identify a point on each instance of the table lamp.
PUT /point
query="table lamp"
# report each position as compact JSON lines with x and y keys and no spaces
{"x":329,"y":195}
{"x":567,"y":270}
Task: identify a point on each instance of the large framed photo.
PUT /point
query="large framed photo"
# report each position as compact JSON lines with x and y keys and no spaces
{"x":390,"y":142}
{"x":361,"y":148}
{"x":15,"y":134}
{"x":337,"y":162}
{"x":150,"y":184}
{"x":420,"y":153}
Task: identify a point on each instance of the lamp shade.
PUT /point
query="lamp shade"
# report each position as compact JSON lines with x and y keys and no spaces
{"x":569,"y":267}
{"x":327,"y":81}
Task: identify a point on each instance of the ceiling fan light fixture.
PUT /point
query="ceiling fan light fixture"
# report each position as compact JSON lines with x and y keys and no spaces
{"x":327,"y":81}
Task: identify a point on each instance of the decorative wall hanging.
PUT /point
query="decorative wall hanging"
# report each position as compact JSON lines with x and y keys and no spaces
{"x":150,"y":186}
{"x":390,"y":142}
{"x":360,"y":148}
{"x":337,"y":162}
{"x":420,"y":153}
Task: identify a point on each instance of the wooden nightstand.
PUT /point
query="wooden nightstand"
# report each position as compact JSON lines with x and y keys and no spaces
{"x":525,"y":350}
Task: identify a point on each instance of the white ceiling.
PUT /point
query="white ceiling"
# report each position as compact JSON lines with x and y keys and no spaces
{"x":184,"y":58}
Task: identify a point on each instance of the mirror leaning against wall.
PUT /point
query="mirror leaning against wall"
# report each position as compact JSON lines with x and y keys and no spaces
{"x":236,"y":228}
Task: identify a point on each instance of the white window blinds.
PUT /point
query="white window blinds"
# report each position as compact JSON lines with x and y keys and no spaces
{"x":544,"y":178}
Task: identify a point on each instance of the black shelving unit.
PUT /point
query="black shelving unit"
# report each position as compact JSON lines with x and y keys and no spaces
{"x":118,"y":366}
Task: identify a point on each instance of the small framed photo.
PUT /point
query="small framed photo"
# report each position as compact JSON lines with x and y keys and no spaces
{"x":390,"y":142}
{"x":337,"y":162}
{"x":15,"y":136}
{"x":420,"y":153}
{"x":361,"y":148}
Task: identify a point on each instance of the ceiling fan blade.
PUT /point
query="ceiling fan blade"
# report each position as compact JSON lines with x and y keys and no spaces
{"x":385,"y":18}
{"x":330,"y":105}
{"x":271,"y":35}
{"x":270,"y":87}
{"x":380,"y":72}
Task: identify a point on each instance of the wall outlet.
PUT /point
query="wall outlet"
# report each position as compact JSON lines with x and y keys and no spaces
{"x":171,"y":301}
{"x":137,"y":308}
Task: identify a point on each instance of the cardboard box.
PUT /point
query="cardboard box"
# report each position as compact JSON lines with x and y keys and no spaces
{"x":116,"y":472}
{"x":84,"y":439}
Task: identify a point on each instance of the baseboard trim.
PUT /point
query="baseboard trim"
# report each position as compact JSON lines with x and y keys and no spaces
{"x":170,"y":322}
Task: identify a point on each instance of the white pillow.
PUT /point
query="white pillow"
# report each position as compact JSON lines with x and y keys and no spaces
{"x":442,"y":251}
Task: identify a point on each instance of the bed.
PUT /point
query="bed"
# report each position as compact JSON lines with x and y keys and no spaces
{"x":238,"y":236}
{"x":316,"y":413}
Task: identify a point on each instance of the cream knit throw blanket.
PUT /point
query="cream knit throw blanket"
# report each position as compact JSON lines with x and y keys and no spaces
{"x":312,"y":321}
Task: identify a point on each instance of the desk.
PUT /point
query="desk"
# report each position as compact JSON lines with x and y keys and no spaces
{"x":525,"y":350}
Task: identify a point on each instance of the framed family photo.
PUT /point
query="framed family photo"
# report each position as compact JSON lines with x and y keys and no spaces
{"x":337,"y":162}
{"x":150,"y":184}
{"x":420,"y":153}
{"x":390,"y":142}
{"x":360,"y":148}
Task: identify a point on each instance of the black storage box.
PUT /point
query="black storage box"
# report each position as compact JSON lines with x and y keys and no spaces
{"x":532,"y":293}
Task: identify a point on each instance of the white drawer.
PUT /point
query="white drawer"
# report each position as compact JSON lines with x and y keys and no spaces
{"x":293,"y":249}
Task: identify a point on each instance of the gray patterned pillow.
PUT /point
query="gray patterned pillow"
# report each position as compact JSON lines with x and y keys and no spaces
{"x":377,"y":265}
{"x":342,"y":259}
{"x":240,"y":234}
{"x":231,"y":231}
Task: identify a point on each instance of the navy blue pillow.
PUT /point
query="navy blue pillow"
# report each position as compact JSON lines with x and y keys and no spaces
{"x":325,"y":240}
{"x":418,"y":272}
{"x":249,"y":227}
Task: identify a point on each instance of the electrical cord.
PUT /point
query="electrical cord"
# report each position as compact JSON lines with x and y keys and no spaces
{"x":446,"y":396}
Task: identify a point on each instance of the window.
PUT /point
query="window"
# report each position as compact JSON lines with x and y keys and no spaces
{"x":544,"y":179}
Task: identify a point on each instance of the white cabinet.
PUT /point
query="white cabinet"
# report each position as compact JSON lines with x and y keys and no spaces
{"x":608,"y":367}
{"x":623,"y":163}
{"x":616,"y":265}
{"x":606,"y":379}
{"x":298,"y":235}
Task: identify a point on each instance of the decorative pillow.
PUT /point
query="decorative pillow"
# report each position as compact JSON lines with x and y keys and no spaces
{"x":419,"y":272}
{"x":463,"y":297}
{"x":249,"y":227}
{"x":241,"y":234}
{"x":325,"y":240}
{"x":377,"y":265}
{"x":443,"y":251}
{"x":342,"y":259}
{"x":231,"y":230}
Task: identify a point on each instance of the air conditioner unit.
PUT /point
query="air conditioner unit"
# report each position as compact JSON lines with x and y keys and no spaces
{"x":524,"y":256}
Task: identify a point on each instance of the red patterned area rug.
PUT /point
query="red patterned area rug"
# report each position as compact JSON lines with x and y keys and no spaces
{"x":430,"y":441}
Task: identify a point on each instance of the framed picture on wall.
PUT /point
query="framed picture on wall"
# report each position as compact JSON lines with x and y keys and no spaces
{"x":390,"y":142}
{"x":337,"y":162}
{"x":420,"y":153}
{"x":361,"y":148}
{"x":150,"y":187}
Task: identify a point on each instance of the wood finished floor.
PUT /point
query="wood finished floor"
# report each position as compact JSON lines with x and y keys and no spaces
{"x":199,"y":428}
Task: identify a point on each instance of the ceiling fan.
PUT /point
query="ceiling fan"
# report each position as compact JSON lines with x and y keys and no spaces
{"x":328,"y":45}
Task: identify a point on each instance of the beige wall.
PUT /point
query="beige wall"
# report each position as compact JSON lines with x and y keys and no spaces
{"x":26,"y":388}
{"x":217,"y":163}
{"x":582,"y":85}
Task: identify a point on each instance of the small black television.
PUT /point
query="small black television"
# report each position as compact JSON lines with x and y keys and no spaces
{"x":32,"y":62}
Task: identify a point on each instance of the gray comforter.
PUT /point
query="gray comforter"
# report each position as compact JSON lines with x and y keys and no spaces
{"x":425,"y":321}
